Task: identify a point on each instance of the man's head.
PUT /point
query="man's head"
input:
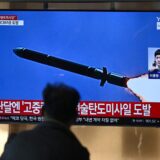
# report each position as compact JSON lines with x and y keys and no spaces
{"x":157,"y":58}
{"x":60,"y":102}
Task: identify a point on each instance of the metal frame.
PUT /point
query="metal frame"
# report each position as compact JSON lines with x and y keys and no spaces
{"x":78,"y":1}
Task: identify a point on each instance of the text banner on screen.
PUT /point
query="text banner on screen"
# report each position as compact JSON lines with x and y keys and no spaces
{"x":89,"y":112}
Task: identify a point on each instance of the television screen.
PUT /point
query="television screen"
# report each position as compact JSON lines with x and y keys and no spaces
{"x":111,"y":58}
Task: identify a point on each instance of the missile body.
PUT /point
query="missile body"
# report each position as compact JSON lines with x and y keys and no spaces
{"x":88,"y":71}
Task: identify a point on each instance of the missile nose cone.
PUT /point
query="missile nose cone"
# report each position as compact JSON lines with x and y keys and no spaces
{"x":18,"y":51}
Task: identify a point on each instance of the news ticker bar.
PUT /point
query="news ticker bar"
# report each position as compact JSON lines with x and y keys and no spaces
{"x":114,"y":121}
{"x":88,"y":121}
{"x":97,"y":113}
{"x":85,"y":109}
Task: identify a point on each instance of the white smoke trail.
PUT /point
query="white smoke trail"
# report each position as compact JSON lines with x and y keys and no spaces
{"x":148,"y":90}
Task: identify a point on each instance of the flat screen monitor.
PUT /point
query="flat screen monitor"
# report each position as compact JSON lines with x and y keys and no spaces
{"x":114,"y":59}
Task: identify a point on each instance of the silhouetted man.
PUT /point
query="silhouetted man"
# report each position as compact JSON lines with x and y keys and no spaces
{"x":51,"y":140}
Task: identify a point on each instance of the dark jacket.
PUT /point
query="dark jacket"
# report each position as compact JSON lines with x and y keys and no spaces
{"x":48,"y":141}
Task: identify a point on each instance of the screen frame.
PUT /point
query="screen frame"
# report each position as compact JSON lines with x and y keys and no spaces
{"x":82,"y":11}
{"x":79,"y":1}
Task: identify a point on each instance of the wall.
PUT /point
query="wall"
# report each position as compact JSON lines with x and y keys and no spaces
{"x":120,"y":143}
{"x":104,"y":142}
{"x":4,"y":130}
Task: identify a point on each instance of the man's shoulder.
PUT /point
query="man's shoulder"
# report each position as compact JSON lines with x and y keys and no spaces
{"x":154,"y":70}
{"x":25,"y":136}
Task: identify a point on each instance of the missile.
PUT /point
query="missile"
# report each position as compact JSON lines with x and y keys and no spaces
{"x":100,"y":74}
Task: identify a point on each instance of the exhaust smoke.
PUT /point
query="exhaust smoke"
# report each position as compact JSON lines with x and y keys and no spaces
{"x":147,"y":90}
